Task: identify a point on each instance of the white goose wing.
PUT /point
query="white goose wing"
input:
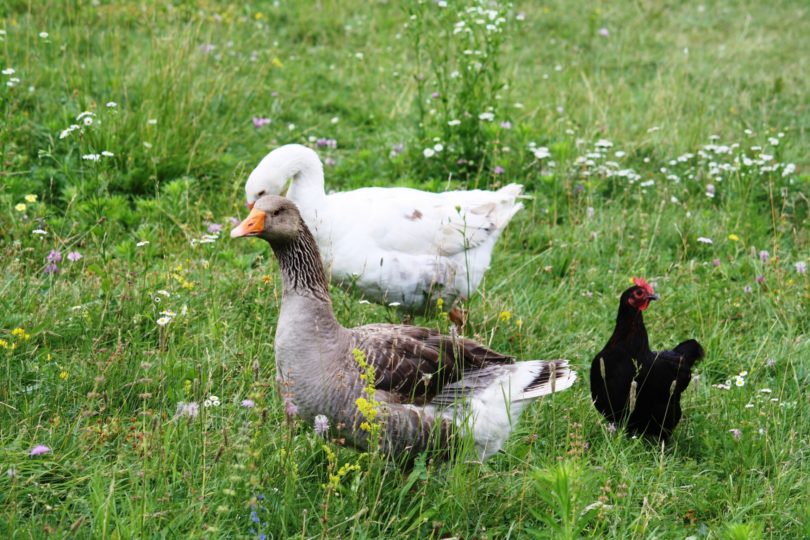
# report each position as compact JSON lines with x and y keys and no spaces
{"x":417,"y":222}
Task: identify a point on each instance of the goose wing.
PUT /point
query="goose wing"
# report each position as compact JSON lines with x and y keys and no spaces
{"x":411,"y":221}
{"x":415,"y":364}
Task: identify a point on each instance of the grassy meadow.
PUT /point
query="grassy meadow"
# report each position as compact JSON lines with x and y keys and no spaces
{"x":666,"y":140}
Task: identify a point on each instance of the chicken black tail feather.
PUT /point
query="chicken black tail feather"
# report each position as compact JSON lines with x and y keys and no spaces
{"x":691,"y":351}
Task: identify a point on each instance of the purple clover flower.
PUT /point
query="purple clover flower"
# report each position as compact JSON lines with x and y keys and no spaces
{"x":506,"y":124}
{"x":604,"y":32}
{"x":39,"y":449}
{"x":54,"y":256}
{"x":498,"y":170}
{"x":248,"y":403}
{"x":329,"y":162}
{"x":74,"y":256}
{"x":290,"y":407}
{"x":801,"y":267}
{"x":321,"y":424}
{"x":716,"y":262}
{"x":51,"y":268}
{"x":736,"y":433}
{"x":760,"y":279}
{"x":214,"y":228}
{"x":259,"y":122}
{"x":326,"y":143}
{"x":764,"y":256}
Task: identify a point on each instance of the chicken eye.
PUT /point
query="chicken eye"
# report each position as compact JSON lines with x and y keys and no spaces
{"x":638,"y":292}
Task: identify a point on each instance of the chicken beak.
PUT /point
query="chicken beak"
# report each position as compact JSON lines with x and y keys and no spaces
{"x":653,"y":297}
{"x":253,"y":225}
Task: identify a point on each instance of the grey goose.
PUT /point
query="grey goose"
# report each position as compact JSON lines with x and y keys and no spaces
{"x":429,"y":387}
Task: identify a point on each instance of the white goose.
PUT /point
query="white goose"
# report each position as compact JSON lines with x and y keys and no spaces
{"x":395,"y":245}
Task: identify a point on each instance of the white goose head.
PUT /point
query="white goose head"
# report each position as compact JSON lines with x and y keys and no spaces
{"x":289,"y":162}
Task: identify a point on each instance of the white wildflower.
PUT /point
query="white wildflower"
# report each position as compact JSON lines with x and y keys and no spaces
{"x":704,"y":240}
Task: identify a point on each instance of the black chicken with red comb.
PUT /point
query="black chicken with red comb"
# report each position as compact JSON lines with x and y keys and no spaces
{"x":633,"y":385}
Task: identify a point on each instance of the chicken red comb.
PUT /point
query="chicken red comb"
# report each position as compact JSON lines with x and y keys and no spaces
{"x":640,"y":282}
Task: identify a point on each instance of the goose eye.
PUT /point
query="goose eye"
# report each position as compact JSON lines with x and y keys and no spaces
{"x":262,"y":193}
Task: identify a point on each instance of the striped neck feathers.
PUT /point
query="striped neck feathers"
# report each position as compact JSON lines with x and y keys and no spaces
{"x":301,"y":267}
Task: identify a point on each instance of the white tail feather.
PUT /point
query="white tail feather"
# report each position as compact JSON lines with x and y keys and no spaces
{"x":492,"y":411}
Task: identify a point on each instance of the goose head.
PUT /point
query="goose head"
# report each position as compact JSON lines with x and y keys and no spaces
{"x":285,"y":163}
{"x":274,"y":218}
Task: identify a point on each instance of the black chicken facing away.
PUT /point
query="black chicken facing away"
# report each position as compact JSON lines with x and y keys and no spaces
{"x":637,"y":387}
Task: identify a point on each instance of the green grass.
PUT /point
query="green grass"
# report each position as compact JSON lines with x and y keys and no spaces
{"x":98,"y":381}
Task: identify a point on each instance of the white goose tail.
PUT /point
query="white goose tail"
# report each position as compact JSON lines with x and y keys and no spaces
{"x":491,"y":399}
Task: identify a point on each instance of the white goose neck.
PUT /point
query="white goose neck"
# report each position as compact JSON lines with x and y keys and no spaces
{"x":303,"y":167}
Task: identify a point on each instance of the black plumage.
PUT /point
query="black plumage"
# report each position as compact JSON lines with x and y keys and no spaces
{"x":633,"y":385}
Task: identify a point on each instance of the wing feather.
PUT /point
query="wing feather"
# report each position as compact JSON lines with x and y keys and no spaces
{"x":417,"y":363}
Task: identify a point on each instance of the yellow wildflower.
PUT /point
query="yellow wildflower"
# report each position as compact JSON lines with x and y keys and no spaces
{"x":4,"y":343}
{"x":259,"y":16}
{"x":63,"y":375}
{"x":20,"y":207}
{"x":440,"y":303}
{"x":276,"y":62}
{"x":734,"y":237}
{"x":20,"y":333}
{"x":505,"y":316}
{"x":31,"y":198}
{"x":266,"y":279}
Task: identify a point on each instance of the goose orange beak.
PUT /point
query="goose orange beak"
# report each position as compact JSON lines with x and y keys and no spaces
{"x":253,"y":225}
